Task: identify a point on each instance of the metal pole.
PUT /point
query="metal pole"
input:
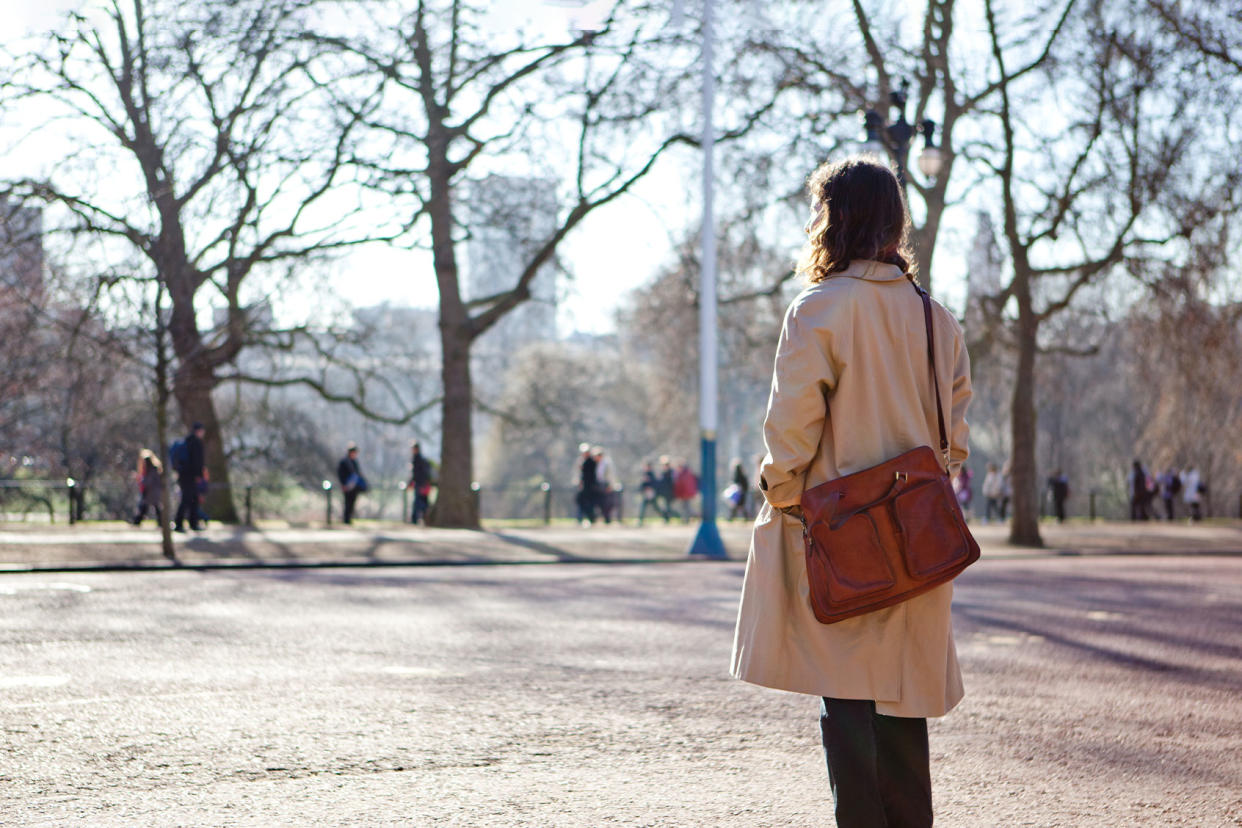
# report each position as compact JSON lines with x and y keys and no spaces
{"x":547,"y":502}
{"x":707,"y":542}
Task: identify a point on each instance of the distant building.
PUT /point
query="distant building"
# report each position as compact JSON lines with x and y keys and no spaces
{"x":21,"y":250}
{"x":509,"y":219}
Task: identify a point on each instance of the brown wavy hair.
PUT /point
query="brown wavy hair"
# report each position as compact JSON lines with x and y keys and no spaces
{"x":860,"y":214}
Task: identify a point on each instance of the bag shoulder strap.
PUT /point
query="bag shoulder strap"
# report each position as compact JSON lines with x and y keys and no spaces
{"x":931,"y":364}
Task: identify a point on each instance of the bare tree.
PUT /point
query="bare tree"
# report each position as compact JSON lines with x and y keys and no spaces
{"x":839,"y":71}
{"x":592,"y":113}
{"x":208,"y":143}
{"x":1079,"y":193}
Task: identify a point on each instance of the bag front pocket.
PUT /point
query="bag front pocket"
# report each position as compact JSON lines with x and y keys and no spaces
{"x":931,"y":528}
{"x":850,"y":560}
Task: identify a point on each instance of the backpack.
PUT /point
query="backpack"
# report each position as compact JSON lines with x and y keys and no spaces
{"x":685,"y":484}
{"x":1175,"y":485}
{"x":178,"y":455}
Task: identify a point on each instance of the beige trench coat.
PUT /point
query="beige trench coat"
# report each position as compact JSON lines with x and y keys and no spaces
{"x":851,"y":389}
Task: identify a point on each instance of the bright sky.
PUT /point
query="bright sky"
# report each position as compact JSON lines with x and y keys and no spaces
{"x":404,"y":277}
{"x":615,"y":251}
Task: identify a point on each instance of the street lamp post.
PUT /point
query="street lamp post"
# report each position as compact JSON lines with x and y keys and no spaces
{"x":707,"y":542}
{"x":894,"y":139}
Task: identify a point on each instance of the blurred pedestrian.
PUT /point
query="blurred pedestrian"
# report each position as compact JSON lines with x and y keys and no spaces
{"x":189,"y":463}
{"x":665,"y":491}
{"x":993,"y":490}
{"x":150,"y":487}
{"x":963,"y":489}
{"x":1194,"y":489}
{"x":685,"y":489}
{"x":649,"y":488}
{"x":740,"y":491}
{"x":588,"y":485}
{"x":420,"y":483}
{"x":1170,"y":485}
{"x":605,"y":489}
{"x":846,"y":346}
{"x":1058,"y":486}
{"x":349,"y":473}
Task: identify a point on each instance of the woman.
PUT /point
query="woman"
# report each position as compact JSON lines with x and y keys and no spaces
{"x":742,"y":484}
{"x":850,"y":389}
{"x":150,"y":486}
{"x":993,"y":486}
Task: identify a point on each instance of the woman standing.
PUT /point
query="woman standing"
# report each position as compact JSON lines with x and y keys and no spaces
{"x":850,"y":389}
{"x":150,"y":486}
{"x":993,"y":488}
{"x":742,"y":484}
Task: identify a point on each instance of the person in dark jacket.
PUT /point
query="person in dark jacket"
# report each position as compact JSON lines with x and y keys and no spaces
{"x":649,"y":488}
{"x":352,"y":482}
{"x":738,"y":506}
{"x":665,"y":488}
{"x":1058,"y":485}
{"x":588,"y":485}
{"x":191,"y":473}
{"x":420,"y":482}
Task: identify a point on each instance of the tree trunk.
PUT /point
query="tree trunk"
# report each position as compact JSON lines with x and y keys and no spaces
{"x":192,"y":388}
{"x":456,"y":502}
{"x":165,"y":509}
{"x":1025,"y":528}
{"x":924,"y":238}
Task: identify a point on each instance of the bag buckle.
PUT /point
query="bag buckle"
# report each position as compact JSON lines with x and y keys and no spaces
{"x":901,"y":476}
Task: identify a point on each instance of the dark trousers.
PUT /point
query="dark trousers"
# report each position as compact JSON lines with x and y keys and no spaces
{"x":351,"y":496}
{"x":878,"y":766}
{"x":141,"y":513}
{"x":188,"y":507}
{"x":654,"y":503}
{"x":420,"y":508}
{"x":588,"y":501}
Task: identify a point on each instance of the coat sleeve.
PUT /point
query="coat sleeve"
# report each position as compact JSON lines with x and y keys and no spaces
{"x":804,"y":374}
{"x":959,"y":429}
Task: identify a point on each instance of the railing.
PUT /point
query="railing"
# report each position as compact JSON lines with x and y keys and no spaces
{"x":45,"y":500}
{"x":34,"y":501}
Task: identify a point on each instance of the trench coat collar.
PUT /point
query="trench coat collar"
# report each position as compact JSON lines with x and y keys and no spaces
{"x":873,"y":271}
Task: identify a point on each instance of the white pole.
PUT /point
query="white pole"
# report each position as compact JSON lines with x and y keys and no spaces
{"x":707,"y":296}
{"x":707,"y":542}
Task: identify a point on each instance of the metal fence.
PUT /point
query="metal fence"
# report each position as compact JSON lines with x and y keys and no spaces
{"x":70,"y":501}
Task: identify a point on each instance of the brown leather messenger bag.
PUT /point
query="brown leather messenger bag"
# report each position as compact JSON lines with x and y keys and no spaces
{"x":883,"y":535}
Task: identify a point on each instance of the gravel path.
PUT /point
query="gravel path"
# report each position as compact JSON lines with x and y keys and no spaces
{"x":1101,"y":691}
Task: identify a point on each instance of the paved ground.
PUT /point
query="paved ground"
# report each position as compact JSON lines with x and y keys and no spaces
{"x":89,"y":546}
{"x":1102,"y":690}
